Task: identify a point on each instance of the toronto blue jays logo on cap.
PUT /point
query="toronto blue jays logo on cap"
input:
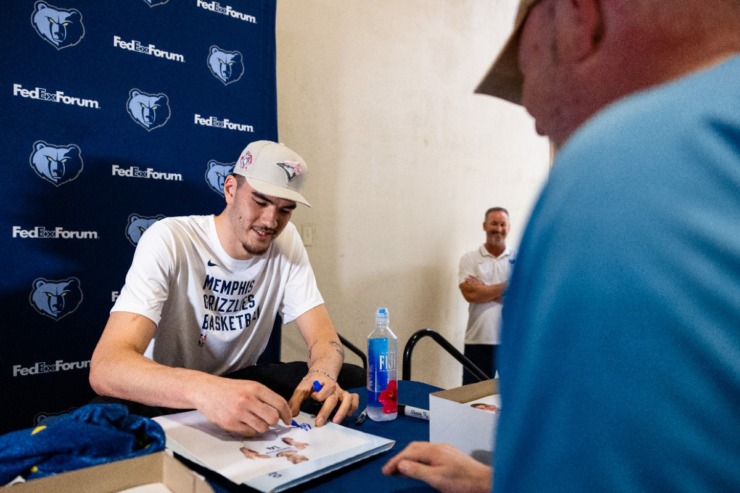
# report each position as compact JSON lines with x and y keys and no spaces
{"x":148,"y":110}
{"x":291,"y":168}
{"x":56,"y":164}
{"x":245,"y":160}
{"x":137,"y":224}
{"x":216,"y":174}
{"x":56,"y":299}
{"x":61,"y":28}
{"x":226,"y":66}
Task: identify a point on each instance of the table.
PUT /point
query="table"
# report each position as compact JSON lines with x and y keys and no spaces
{"x":364,"y":476}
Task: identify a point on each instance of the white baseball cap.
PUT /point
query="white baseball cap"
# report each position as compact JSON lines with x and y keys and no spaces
{"x":273,"y":169}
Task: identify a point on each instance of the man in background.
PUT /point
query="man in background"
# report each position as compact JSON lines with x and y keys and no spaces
{"x":483,"y":275}
{"x":620,"y":349}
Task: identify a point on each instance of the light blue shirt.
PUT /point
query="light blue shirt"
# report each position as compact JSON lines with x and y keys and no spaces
{"x":620,"y":348}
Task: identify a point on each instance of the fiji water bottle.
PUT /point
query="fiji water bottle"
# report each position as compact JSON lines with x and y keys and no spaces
{"x":382,"y":387}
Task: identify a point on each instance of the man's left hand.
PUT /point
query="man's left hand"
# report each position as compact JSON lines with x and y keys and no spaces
{"x":331,"y":394}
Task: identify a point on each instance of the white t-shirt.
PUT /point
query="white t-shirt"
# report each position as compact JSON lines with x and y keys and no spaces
{"x":484,"y":319}
{"x":214,"y":313}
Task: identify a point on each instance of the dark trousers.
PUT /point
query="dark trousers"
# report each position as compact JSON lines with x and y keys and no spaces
{"x":484,"y":357}
{"x":281,"y":378}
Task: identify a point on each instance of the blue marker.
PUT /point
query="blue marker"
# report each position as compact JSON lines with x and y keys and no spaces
{"x":317,"y":386}
{"x":303,"y":426}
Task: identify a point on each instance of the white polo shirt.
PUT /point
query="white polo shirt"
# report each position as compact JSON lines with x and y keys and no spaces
{"x":484,"y":319}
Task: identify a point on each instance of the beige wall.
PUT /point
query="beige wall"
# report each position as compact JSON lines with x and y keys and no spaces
{"x":404,"y":158}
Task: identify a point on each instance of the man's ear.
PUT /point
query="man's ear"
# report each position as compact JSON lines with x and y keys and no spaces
{"x":580,"y":27}
{"x":230,"y":184}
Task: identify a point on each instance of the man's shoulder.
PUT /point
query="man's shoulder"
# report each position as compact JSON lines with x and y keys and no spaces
{"x":287,"y":244}
{"x":509,"y":253}
{"x":177,"y":230}
{"x":183,"y":223}
{"x":290,"y":230}
{"x":187,"y":220}
{"x":474,"y":254}
{"x":681,"y":108}
{"x":288,"y":237}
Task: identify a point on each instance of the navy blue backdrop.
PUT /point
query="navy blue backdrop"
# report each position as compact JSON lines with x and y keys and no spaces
{"x":116,"y":113}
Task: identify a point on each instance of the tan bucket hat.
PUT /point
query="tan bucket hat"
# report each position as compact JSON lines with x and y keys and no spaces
{"x":504,"y":79}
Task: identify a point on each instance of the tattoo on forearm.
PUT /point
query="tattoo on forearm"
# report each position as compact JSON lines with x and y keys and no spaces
{"x":310,"y":352}
{"x":334,"y":344}
{"x":338,"y":348}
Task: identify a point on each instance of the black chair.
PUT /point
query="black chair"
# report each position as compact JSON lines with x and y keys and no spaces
{"x":271,"y":354}
{"x":446,"y":345}
{"x":355,"y":350}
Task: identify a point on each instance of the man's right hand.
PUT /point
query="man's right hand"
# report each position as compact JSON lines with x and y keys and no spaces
{"x":241,"y":406}
{"x":442,"y":466}
{"x":119,"y":369}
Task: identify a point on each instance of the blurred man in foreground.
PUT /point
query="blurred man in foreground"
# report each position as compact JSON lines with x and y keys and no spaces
{"x":620,"y":347}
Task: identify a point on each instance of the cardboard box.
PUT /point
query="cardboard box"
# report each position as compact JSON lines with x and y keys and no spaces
{"x":457,"y":423}
{"x":160,"y":470}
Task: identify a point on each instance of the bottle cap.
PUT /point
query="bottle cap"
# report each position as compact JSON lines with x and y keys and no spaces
{"x":381,"y":315}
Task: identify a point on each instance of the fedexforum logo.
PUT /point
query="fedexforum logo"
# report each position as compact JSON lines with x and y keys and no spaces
{"x":42,"y":367}
{"x":41,"y":94}
{"x":59,"y":27}
{"x":226,"y":124}
{"x":148,"y":173}
{"x":146,"y":49}
{"x":57,"y":233}
{"x":228,"y":11}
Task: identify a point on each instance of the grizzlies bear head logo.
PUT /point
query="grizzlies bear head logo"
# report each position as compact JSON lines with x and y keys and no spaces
{"x":137,"y":224}
{"x":226,"y":66}
{"x":56,"y":299}
{"x":61,"y":28}
{"x":148,"y":110}
{"x":56,"y":164}
{"x":216,"y":174}
{"x":154,"y":3}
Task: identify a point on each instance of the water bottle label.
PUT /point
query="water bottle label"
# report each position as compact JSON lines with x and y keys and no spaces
{"x":382,"y":388}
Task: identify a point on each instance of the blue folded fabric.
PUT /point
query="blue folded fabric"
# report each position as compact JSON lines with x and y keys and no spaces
{"x":91,"y":435}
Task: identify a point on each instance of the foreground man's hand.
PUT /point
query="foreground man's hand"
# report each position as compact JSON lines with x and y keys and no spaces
{"x":442,"y":466}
